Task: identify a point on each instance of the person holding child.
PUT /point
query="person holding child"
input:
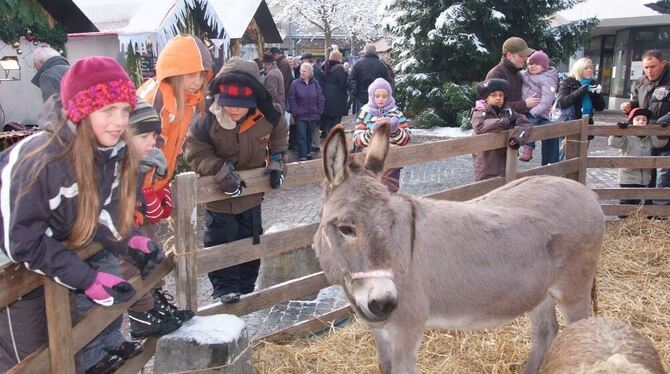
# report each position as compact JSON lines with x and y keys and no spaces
{"x":492,"y":114}
{"x":73,"y":183}
{"x":380,"y":109}
{"x":636,"y":146}
{"x":540,"y":80}
{"x":242,"y":130}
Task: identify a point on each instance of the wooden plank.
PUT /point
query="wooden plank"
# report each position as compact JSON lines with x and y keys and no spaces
{"x":648,"y":210}
{"x":469,"y":191}
{"x":241,"y":251}
{"x":511,"y":160}
{"x":644,"y":162}
{"x":558,"y":169}
{"x":291,"y":290}
{"x":307,"y":328}
{"x":186,"y":240}
{"x":137,"y":363}
{"x":632,"y":193}
{"x":613,"y":129}
{"x":16,"y":280}
{"x":583,"y":150}
{"x":59,"y":325}
{"x":96,"y":320}
{"x":553,"y":130}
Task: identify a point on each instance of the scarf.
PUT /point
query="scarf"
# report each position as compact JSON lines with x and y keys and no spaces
{"x":587,"y":104}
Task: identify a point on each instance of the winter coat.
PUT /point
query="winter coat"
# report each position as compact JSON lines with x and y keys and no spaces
{"x":571,"y":93}
{"x":635,"y":146}
{"x":365,"y":127}
{"x":335,"y":90}
{"x":542,"y":85}
{"x":490,"y":164}
{"x":306,"y":100}
{"x":285,"y":70}
{"x":366,"y":70}
{"x":48,"y":77}
{"x":507,"y":71}
{"x":40,"y":219}
{"x":180,"y":56}
{"x":247,"y":146}
{"x":274,"y":82}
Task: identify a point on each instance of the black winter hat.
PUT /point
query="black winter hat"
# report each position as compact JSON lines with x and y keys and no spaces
{"x":489,"y":86}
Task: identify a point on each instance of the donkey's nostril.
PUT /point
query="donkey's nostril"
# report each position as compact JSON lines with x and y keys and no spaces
{"x":383,"y":307}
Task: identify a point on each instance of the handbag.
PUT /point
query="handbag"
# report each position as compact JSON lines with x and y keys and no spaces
{"x":561,"y":115}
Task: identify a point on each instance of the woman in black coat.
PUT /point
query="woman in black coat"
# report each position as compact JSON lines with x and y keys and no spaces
{"x":335,"y":92}
{"x":581,"y":91}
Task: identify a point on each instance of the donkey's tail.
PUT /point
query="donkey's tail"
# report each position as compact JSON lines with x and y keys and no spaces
{"x":594,"y":297}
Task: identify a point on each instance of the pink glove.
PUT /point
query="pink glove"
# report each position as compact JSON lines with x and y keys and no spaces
{"x":144,"y":254}
{"x":108,"y":289}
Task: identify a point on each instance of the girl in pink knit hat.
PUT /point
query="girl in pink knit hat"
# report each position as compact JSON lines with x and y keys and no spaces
{"x":540,"y":80}
{"x":63,"y":188}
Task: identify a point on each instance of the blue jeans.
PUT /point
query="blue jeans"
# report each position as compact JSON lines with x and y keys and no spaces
{"x":549,"y":146}
{"x":662,"y":178}
{"x":304,"y":138}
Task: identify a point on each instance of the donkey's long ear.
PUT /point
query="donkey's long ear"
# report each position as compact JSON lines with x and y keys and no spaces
{"x":335,"y":156}
{"x":378,"y":149}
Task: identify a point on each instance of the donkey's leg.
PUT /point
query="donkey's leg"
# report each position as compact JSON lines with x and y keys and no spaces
{"x":544,"y":327}
{"x":384,"y":349}
{"x":577,"y":310}
{"x":406,"y":341}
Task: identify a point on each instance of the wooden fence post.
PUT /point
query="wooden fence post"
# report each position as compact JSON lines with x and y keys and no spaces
{"x":59,"y":325}
{"x":511,"y":161}
{"x":186,"y":239}
{"x":583,"y":149}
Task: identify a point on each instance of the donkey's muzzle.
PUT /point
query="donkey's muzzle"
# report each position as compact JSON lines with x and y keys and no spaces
{"x":382,"y":307}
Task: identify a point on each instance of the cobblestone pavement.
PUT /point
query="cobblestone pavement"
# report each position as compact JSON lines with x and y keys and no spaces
{"x":287,"y":208}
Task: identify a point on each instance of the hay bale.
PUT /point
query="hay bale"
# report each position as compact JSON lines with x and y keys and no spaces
{"x":633,"y":277}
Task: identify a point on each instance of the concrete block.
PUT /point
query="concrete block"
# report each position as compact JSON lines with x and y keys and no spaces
{"x":212,"y":344}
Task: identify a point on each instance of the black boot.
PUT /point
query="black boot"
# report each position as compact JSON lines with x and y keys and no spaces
{"x":127,"y":350}
{"x":108,"y":364}
{"x":162,"y":303}
{"x":151,"y":323}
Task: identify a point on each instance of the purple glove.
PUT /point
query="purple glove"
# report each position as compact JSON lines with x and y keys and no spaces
{"x":108,"y":289}
{"x":145,"y":254}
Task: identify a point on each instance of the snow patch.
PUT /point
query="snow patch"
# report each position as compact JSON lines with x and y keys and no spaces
{"x":447,"y":132}
{"x":217,"y":329}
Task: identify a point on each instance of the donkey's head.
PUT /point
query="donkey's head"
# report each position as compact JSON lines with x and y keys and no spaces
{"x":354,"y":241}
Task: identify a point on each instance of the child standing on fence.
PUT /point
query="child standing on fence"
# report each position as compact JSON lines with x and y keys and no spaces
{"x":491,"y":114}
{"x":63,"y":188}
{"x":241,"y":130}
{"x":636,"y":146}
{"x":381,"y":109}
{"x":540,"y":80}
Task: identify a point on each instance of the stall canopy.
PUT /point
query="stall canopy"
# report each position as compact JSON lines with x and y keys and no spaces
{"x":141,"y":22}
{"x":236,"y":16}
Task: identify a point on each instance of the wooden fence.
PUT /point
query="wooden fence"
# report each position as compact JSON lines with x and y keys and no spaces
{"x":67,"y":337}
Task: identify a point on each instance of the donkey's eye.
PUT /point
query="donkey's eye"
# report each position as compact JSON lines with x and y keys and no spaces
{"x":347,"y":230}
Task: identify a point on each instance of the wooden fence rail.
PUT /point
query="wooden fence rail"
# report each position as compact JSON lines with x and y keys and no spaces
{"x":189,"y":262}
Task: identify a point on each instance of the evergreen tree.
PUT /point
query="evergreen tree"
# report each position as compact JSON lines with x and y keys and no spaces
{"x":442,"y":47}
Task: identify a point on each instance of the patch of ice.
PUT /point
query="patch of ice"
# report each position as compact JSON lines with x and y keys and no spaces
{"x":447,"y":132}
{"x":221,"y":328}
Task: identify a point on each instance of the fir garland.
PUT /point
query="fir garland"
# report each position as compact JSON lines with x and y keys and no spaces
{"x":27,"y":18}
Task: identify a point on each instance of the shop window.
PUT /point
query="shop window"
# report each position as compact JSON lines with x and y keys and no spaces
{"x":641,"y":36}
{"x":609,"y":42}
{"x":664,"y":33}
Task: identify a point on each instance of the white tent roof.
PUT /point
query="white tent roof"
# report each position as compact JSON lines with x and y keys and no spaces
{"x":139,"y":21}
{"x":614,"y":13}
{"x":235,"y":14}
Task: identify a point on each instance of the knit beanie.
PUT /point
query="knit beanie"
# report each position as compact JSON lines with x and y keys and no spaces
{"x":539,"y":58}
{"x":377,"y":84}
{"x":639,"y":112}
{"x":144,"y":118}
{"x":236,"y":95}
{"x":92,"y":83}
{"x":489,"y":86}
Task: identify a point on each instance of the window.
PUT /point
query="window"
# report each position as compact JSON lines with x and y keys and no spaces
{"x":641,"y":36}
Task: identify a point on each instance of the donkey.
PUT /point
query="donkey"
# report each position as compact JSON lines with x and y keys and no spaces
{"x":409,"y":263}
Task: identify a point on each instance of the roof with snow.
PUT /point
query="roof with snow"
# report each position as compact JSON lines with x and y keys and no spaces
{"x":139,"y":21}
{"x":236,"y":16}
{"x":614,"y":13}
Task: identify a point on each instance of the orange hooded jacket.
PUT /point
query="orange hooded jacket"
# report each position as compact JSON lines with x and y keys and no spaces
{"x":184,"y":54}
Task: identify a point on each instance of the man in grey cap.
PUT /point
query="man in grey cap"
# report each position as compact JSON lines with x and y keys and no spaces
{"x":515,"y":52}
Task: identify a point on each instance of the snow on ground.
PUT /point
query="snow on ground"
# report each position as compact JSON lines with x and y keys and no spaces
{"x":220,"y":328}
{"x":447,"y":132}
